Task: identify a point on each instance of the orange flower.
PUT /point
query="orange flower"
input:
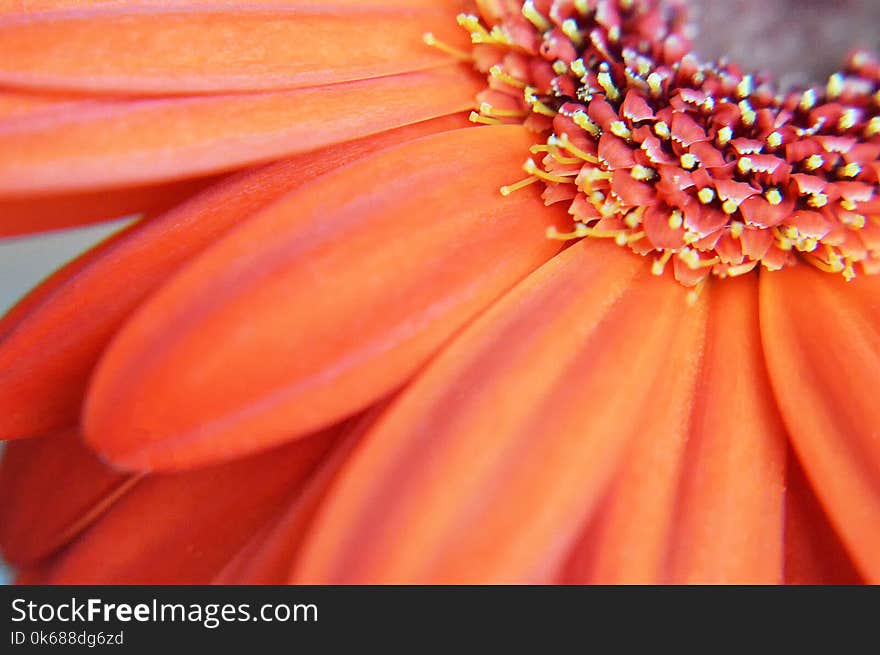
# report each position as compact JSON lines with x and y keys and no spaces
{"x":332,"y":351}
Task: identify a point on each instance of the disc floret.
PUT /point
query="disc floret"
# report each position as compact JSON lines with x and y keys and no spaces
{"x":696,"y":164}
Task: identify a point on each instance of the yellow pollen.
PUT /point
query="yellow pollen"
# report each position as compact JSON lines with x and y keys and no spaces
{"x":564,"y":142}
{"x":736,"y":229}
{"x":848,"y":204}
{"x":619,"y":128}
{"x":706,"y":195}
{"x":605,"y":81}
{"x":773,"y":196}
{"x":747,"y":113}
{"x":808,"y":99}
{"x":659,"y":264}
{"x":661,"y":129}
{"x":873,"y":128}
{"x":560,"y":67}
{"x":848,"y":119}
{"x":581,"y":6}
{"x":572,"y":31}
{"x":510,"y":188}
{"x":578,"y":68}
{"x":774,"y":139}
{"x":642,"y":173}
{"x":531,"y":98}
{"x":534,"y":16}
{"x":452,"y":51}
{"x":497,"y":72}
{"x":835,"y":86}
{"x":694,"y":294}
{"x":744,"y":88}
{"x":813,"y":162}
{"x":818,"y":200}
{"x":655,"y":83}
{"x":725,"y":134}
{"x":850,"y":170}
{"x":675,"y":220}
{"x":488,"y":110}
{"x":583,"y":121}
{"x":729,"y":206}
{"x":476,"y":117}
{"x":744,"y":164}
{"x":689,"y":161}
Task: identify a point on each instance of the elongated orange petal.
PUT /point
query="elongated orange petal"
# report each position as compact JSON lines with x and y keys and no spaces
{"x":50,"y":341}
{"x":52,"y":488}
{"x":35,"y":6}
{"x":329,"y":299}
{"x":114,"y":143}
{"x":813,"y":552}
{"x":21,"y":103}
{"x":699,"y":498}
{"x":269,"y":555}
{"x":31,"y":214}
{"x":822,"y":342}
{"x":729,"y":521}
{"x":187,"y":47}
{"x":485,"y":468}
{"x":627,"y":541}
{"x":183,"y":528}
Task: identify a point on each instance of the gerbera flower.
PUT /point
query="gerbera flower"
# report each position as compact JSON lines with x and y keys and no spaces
{"x":333,"y":351}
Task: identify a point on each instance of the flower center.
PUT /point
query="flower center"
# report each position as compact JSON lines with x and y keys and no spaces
{"x":695,"y":164}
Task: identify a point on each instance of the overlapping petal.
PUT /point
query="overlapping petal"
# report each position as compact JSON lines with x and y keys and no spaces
{"x":117,"y":142}
{"x":813,"y":552}
{"x":46,"y":358}
{"x":172,"y":46}
{"x":728,"y":524}
{"x":339,"y":292}
{"x":822,"y":342}
{"x":699,"y":496}
{"x":184,"y":528}
{"x":32,"y":214}
{"x":488,"y":464}
{"x":53,"y":487}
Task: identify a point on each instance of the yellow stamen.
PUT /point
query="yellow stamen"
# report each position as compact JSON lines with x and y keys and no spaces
{"x":516,"y":186}
{"x":497,"y":72}
{"x":434,"y":42}
{"x":534,"y":16}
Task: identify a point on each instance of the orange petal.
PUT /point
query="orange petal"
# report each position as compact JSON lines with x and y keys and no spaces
{"x":730,"y":507}
{"x":16,"y":103}
{"x":50,"y":342}
{"x":490,"y":461}
{"x":328,"y":300}
{"x":268,"y":556}
{"x":53,"y":487}
{"x":115,"y":143}
{"x":184,"y":528}
{"x":31,"y":214}
{"x":813,"y":552}
{"x":627,"y":540}
{"x":821,"y":336}
{"x":192,"y":47}
{"x":699,"y":498}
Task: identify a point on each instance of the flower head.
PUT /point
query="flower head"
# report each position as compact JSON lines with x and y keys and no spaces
{"x":339,"y":346}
